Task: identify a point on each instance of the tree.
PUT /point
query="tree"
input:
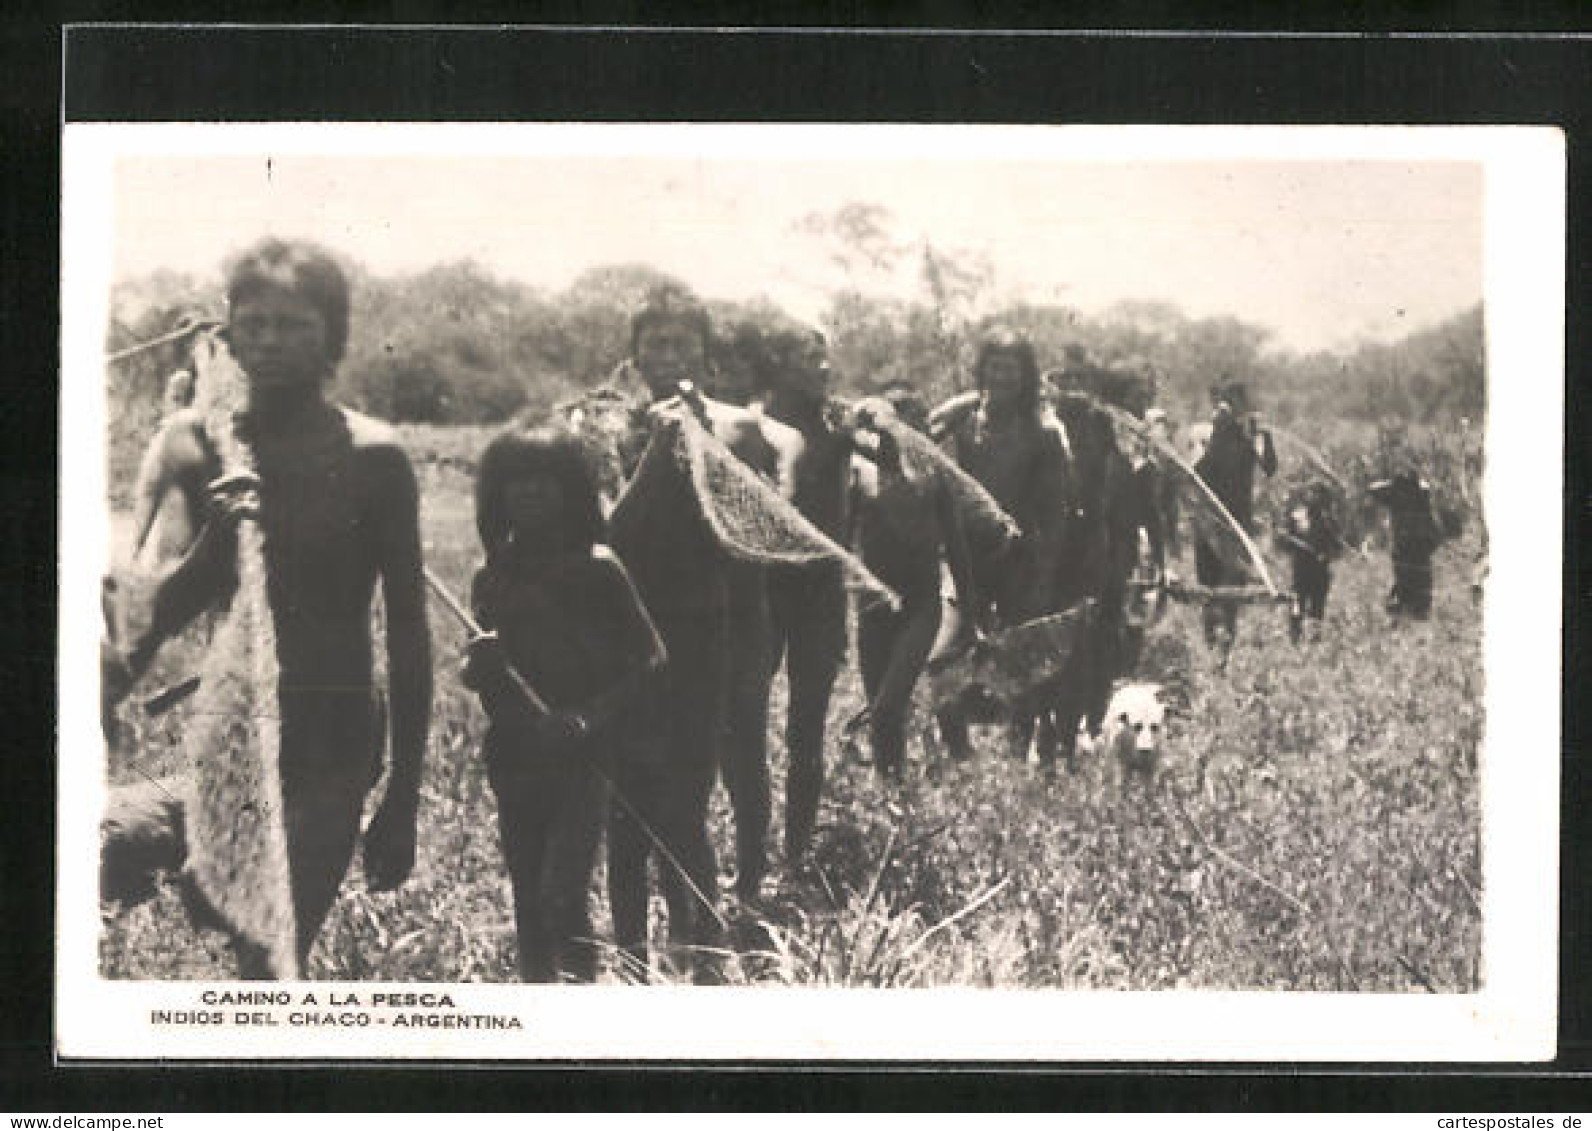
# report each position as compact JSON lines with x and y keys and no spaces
{"x":858,"y":238}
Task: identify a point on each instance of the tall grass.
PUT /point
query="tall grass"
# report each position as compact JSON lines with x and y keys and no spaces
{"x":1316,"y":827}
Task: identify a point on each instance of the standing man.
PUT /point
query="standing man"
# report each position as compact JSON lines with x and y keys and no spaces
{"x":1415,"y":539}
{"x":809,"y":605}
{"x":709,"y":711}
{"x":338,"y":511}
{"x":1238,"y":446}
{"x":1002,"y":437}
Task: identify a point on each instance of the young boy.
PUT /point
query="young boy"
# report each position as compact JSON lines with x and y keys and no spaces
{"x":559,"y":607}
{"x":338,"y":512}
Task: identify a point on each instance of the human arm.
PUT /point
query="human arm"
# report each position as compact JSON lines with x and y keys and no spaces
{"x":151,"y":487}
{"x":857,"y":476}
{"x":390,"y":839}
{"x":143,"y":614}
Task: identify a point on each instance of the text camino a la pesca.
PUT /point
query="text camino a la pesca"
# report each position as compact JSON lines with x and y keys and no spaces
{"x":405,"y":1000}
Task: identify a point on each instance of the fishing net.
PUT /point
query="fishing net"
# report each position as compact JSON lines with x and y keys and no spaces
{"x":604,"y":421}
{"x":237,"y":841}
{"x":748,"y":518}
{"x":988,"y":528}
{"x":1213,"y":524}
{"x":1013,"y":663}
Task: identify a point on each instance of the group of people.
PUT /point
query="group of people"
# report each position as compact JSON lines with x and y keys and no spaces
{"x":624,"y":660}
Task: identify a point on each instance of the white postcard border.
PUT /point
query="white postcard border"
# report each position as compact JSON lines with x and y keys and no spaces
{"x":1513,"y":1018}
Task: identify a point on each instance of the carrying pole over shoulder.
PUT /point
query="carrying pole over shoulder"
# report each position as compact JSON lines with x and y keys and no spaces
{"x":183,"y":330}
{"x":1317,"y":460}
{"x":1139,"y":428}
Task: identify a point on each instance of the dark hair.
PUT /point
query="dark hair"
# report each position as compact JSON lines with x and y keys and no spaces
{"x":521,"y":455}
{"x":1235,"y":393}
{"x":300,"y":266}
{"x":670,"y":302}
{"x":1003,"y":340}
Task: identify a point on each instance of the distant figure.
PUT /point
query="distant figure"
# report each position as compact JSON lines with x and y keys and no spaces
{"x":1415,"y":538}
{"x":1309,"y":532}
{"x":1473,"y":455}
{"x":1238,"y":446}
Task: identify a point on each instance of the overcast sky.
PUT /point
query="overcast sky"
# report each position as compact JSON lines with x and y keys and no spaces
{"x":1322,"y":252}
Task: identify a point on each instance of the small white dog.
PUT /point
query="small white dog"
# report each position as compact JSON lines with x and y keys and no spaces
{"x":1134,"y":729}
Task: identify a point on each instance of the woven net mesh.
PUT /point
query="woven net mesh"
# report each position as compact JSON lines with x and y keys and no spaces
{"x":988,"y":528}
{"x":748,"y":518}
{"x":1213,"y":524}
{"x":237,"y":840}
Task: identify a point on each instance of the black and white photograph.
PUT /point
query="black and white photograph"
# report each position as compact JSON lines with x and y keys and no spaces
{"x":852,"y":591}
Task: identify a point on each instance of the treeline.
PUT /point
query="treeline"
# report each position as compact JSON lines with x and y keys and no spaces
{"x":457,"y":344}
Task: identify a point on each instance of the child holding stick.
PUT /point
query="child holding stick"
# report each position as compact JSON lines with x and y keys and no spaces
{"x":559,"y":608}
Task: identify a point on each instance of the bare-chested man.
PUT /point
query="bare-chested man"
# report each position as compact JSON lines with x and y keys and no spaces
{"x":809,"y":604}
{"x":709,"y":712}
{"x":338,"y":510}
{"x":1002,"y":437}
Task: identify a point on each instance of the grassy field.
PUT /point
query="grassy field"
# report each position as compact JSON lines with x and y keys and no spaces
{"x":1317,"y":826}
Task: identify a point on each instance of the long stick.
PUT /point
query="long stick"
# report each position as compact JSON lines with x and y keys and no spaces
{"x":474,"y":629}
{"x":456,"y":607}
{"x":1321,"y":465}
{"x":180,"y":332}
{"x":1312,"y":455}
{"x":1234,"y":863}
{"x":1127,"y":420}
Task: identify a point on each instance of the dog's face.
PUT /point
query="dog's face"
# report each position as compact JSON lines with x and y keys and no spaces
{"x":1136,"y":719}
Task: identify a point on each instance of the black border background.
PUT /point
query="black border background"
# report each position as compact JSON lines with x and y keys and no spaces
{"x":142,"y":73}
